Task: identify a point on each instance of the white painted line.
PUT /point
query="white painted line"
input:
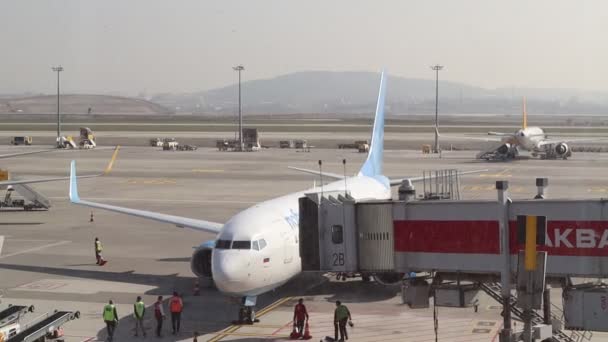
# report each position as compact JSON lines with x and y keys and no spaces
{"x":35,"y":249}
{"x":152,"y":200}
{"x":1,"y":243}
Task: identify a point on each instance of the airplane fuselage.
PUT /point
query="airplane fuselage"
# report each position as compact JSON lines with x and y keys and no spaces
{"x":527,"y":138}
{"x":266,"y":239}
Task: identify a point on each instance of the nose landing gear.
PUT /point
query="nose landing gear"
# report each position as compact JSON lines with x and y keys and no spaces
{"x":247,"y":311}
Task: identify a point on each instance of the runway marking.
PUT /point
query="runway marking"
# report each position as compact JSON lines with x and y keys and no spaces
{"x":601,"y":189}
{"x":502,"y":173}
{"x":491,"y":187}
{"x":1,"y":244}
{"x":35,"y":249}
{"x":206,"y":171}
{"x":231,"y":330}
{"x":153,"y":181}
{"x":152,"y":200}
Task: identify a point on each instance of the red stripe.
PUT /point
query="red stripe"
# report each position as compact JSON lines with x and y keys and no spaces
{"x":447,"y":236}
{"x":574,"y":238}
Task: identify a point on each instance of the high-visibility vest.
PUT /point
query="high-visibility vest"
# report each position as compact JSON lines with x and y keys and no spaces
{"x":108,"y":313}
{"x":176,"y":304}
{"x":139,"y":309}
{"x":98,"y":247}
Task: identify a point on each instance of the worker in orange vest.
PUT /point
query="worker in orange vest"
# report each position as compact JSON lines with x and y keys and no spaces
{"x":175,"y":306}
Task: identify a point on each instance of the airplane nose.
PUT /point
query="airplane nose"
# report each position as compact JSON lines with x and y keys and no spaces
{"x":230,"y":267}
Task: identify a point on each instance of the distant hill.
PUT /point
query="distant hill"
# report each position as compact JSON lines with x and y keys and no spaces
{"x":355,"y":92}
{"x":80,"y":105}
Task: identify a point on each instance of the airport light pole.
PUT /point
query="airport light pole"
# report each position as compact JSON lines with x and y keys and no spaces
{"x":240,"y":68}
{"x":436,"y":67}
{"x":58,"y":69}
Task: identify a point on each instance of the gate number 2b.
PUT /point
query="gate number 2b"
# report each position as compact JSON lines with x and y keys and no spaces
{"x":338,"y":259}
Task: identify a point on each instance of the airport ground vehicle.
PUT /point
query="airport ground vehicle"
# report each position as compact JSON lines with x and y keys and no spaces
{"x":87,"y":139}
{"x":21,"y":140}
{"x":356,"y":145}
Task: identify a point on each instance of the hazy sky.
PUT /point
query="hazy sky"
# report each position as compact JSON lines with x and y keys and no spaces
{"x":156,"y":46}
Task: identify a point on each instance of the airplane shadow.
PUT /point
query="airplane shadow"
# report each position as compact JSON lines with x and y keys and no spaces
{"x":207,"y":314}
{"x":354,"y":291}
{"x":186,"y":259}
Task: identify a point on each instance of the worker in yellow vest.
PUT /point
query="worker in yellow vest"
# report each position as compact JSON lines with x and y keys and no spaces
{"x":98,"y":249}
{"x":110,"y":316}
{"x":139,"y":309}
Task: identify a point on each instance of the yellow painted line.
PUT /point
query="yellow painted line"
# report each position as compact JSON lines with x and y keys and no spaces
{"x":207,"y":171}
{"x":503,"y":173}
{"x":152,"y":181}
{"x":233,"y":328}
{"x":597,"y":189}
{"x":255,"y":335}
{"x":111,"y":163}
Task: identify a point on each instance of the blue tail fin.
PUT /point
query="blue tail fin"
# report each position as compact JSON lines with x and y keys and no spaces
{"x":373,"y":163}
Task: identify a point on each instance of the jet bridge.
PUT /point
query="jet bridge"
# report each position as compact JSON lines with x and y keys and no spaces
{"x":460,"y":239}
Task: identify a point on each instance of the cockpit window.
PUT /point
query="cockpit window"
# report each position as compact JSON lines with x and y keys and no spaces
{"x":262,"y":243}
{"x":241,"y":244}
{"x":222,"y":244}
{"x":256,"y":246}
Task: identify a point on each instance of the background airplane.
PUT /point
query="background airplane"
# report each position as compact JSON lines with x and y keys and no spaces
{"x":257,"y":249}
{"x":530,"y":138}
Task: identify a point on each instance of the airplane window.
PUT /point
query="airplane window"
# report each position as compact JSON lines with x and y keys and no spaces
{"x":241,"y":244}
{"x":336,"y":234}
{"x":262,"y":244}
{"x":222,"y":244}
{"x":256,"y":246}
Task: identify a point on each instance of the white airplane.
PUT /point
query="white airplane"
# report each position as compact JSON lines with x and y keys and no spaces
{"x":257,"y":249}
{"x":533,"y":139}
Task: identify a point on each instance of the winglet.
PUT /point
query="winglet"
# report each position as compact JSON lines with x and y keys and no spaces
{"x":524,"y":121}
{"x":111,"y":163}
{"x":74,"y":198}
{"x":373,"y":163}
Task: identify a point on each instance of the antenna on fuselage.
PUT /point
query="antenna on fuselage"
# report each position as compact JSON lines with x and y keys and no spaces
{"x":344,"y":168}
{"x":321,"y":175}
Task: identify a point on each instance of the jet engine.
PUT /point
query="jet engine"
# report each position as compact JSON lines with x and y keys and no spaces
{"x":562,"y":149}
{"x":200,"y":263}
{"x":389,"y":278}
{"x":504,"y":149}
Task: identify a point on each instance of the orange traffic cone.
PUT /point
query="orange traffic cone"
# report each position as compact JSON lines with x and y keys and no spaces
{"x":306,"y":335}
{"x":197,"y":290}
{"x":294,"y":334}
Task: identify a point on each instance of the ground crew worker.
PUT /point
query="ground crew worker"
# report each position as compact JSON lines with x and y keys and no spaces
{"x":98,"y":249}
{"x":341,"y":317}
{"x":110,"y":316}
{"x":139,"y":309}
{"x":300,"y":315}
{"x":159,"y":314}
{"x":175,"y":306}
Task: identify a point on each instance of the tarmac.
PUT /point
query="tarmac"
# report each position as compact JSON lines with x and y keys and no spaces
{"x":48,"y":261}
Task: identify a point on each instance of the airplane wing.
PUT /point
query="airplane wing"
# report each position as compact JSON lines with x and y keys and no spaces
{"x":316,"y":172}
{"x":398,"y":181}
{"x":489,"y":138}
{"x":179,"y":221}
{"x":554,"y":141}
{"x":10,"y":155}
{"x":54,"y":179}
